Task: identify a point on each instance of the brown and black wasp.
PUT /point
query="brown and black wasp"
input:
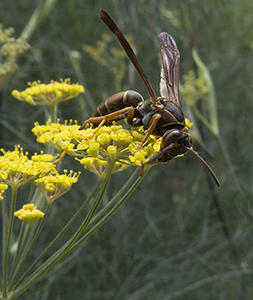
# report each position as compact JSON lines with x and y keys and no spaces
{"x":160,"y":116}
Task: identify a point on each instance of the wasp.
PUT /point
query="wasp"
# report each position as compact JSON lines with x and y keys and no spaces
{"x":160,"y":116}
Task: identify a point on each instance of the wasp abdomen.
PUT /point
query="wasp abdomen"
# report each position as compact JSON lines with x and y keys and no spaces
{"x":118,"y":101}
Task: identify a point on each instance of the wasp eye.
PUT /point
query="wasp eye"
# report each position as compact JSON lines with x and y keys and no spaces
{"x":187,"y":140}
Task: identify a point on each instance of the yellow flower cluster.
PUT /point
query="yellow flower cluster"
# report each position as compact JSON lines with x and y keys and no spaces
{"x":29,"y":214}
{"x":113,"y":58}
{"x":106,"y":54}
{"x":96,"y":147}
{"x":194,"y":88}
{"x":109,"y":143}
{"x":17,"y":169}
{"x":49,"y":94}
{"x":10,"y":49}
{"x":54,"y":186}
{"x":50,"y":133}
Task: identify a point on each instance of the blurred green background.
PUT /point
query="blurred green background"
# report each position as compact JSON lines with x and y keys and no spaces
{"x":178,"y":236}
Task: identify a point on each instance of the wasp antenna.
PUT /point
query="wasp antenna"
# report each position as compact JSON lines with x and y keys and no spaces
{"x":105,"y":17}
{"x":210,"y":171}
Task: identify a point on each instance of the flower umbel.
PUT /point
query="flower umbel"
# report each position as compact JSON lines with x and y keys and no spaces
{"x":17,"y":169}
{"x":54,"y":186}
{"x":49,"y":94}
{"x":111,"y":143}
{"x":194,"y":87}
{"x":10,"y":49}
{"x":96,"y":147}
{"x":29,"y":214}
{"x":53,"y":134}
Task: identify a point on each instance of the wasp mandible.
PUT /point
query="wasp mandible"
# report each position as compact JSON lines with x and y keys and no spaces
{"x":160,"y":116}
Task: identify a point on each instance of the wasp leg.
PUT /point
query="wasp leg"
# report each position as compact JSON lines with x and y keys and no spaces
{"x":151,"y":128}
{"x":128,"y":111}
{"x":60,"y":158}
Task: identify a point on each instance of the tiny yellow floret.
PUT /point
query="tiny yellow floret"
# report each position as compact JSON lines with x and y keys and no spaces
{"x":188,"y":123}
{"x":93,"y":147}
{"x":140,"y":156}
{"x":50,"y":187}
{"x":3,"y":187}
{"x":103,"y":138}
{"x":29,"y":214}
{"x":112,"y":150}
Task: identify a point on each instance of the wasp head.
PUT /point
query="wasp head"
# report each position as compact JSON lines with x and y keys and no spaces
{"x":174,"y":143}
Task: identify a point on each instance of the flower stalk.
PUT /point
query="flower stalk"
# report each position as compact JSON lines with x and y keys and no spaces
{"x":60,"y":234}
{"x":23,"y":256}
{"x":6,"y":244}
{"x":126,"y":191}
{"x":60,"y":254}
{"x":39,"y":15}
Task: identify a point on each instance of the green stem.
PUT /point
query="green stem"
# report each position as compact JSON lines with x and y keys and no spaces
{"x":228,"y":162}
{"x":21,"y":235}
{"x":213,"y":116}
{"x":40,"y":13}
{"x":60,"y":254}
{"x":211,"y":95}
{"x":202,"y":119}
{"x":66,"y":227}
{"x":111,"y":212}
{"x":126,"y":187}
{"x":110,"y":165}
{"x":32,"y":189}
{"x":53,"y":113}
{"x":20,"y":242}
{"x":19,"y":255}
{"x":31,"y":245}
{"x":38,"y":198}
{"x":75,"y":58}
{"x":4,"y":231}
{"x":8,"y":237}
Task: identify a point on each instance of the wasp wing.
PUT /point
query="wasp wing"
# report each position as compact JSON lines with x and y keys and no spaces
{"x":169,"y":85}
{"x":163,"y":85}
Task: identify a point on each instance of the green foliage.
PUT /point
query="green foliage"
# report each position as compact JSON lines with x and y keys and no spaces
{"x":177,"y":237}
{"x":10,"y":49}
{"x":194,"y":88}
{"x":113,"y":59}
